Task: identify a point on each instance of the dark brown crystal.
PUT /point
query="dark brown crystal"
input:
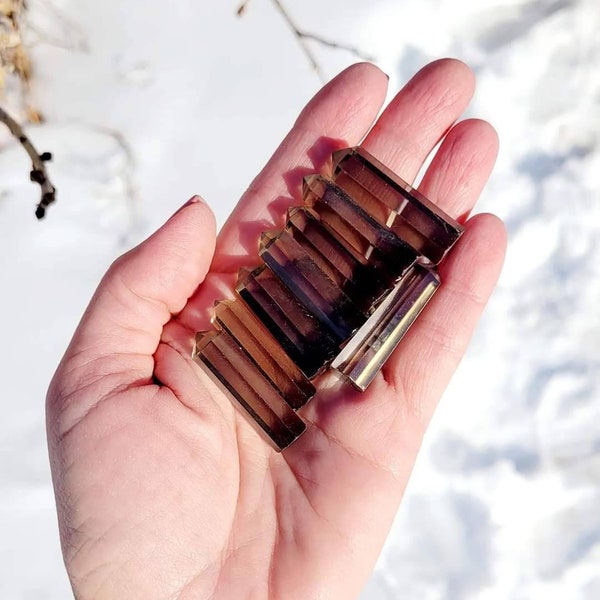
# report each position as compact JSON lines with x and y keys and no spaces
{"x":299,"y":332}
{"x":320,"y":296}
{"x":351,"y":272}
{"x":375,"y":242}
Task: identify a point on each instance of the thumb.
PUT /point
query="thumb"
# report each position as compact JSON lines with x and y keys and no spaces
{"x":122,"y":325}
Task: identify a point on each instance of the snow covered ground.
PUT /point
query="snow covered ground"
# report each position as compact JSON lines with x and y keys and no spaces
{"x":148,"y":103}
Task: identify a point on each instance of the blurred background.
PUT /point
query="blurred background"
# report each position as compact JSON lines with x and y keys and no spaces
{"x":145,"y":104}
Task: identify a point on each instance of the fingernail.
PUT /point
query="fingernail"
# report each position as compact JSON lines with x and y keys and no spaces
{"x":193,"y":200}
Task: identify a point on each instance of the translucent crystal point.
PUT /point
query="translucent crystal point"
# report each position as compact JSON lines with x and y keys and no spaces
{"x":376,"y":242}
{"x":395,"y":203}
{"x":240,"y":377}
{"x":368,"y":350}
{"x":235,"y":317}
{"x":300,"y":334}
{"x":319,"y":294}
{"x":352,"y":273}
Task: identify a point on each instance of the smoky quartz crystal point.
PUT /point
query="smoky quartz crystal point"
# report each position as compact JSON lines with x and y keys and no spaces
{"x":337,"y":288}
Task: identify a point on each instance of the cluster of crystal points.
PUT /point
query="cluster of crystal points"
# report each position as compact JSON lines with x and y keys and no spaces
{"x":338,"y":287}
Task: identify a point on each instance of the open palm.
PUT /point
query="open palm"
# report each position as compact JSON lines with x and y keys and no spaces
{"x":163,"y":489}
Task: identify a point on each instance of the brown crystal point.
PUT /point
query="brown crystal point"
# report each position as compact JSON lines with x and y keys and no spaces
{"x":364,"y":355}
{"x":374,"y":206}
{"x":266,"y":353}
{"x":264,"y":391}
{"x":314,"y":183}
{"x":329,"y":225}
{"x":269,"y":312}
{"x":352,"y":273}
{"x":310,"y":284}
{"x":202,"y":339}
{"x":267,"y":238}
{"x":244,"y":275}
{"x":392,"y":201}
{"x":288,"y":304}
{"x":304,"y":226}
{"x":238,"y":374}
{"x":298,"y":332}
{"x":339,"y":155}
{"x":376,"y":242}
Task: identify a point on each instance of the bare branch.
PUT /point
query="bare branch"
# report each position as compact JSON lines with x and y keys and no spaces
{"x":337,"y":45}
{"x":301,"y":39}
{"x":303,"y":36}
{"x":38,"y":168}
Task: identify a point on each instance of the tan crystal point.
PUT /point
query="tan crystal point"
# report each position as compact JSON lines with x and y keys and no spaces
{"x":267,"y":354}
{"x":266,"y":302}
{"x":239,"y":375}
{"x":393,"y":202}
{"x":364,"y":355}
{"x":320,"y":296}
{"x":299,"y":333}
{"x":377,"y":243}
{"x":362,"y":284}
{"x":267,"y":238}
{"x":317,"y":241}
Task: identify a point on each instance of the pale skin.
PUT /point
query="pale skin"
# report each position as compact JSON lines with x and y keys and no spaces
{"x":163,"y":489}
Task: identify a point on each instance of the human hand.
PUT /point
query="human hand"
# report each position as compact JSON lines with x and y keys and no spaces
{"x":163,"y":489}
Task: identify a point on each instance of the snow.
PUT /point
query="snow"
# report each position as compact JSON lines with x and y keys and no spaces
{"x":146,"y":107}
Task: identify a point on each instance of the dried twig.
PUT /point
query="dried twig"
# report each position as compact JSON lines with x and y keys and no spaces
{"x":38,"y":168}
{"x":330,"y":44}
{"x":303,"y":36}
